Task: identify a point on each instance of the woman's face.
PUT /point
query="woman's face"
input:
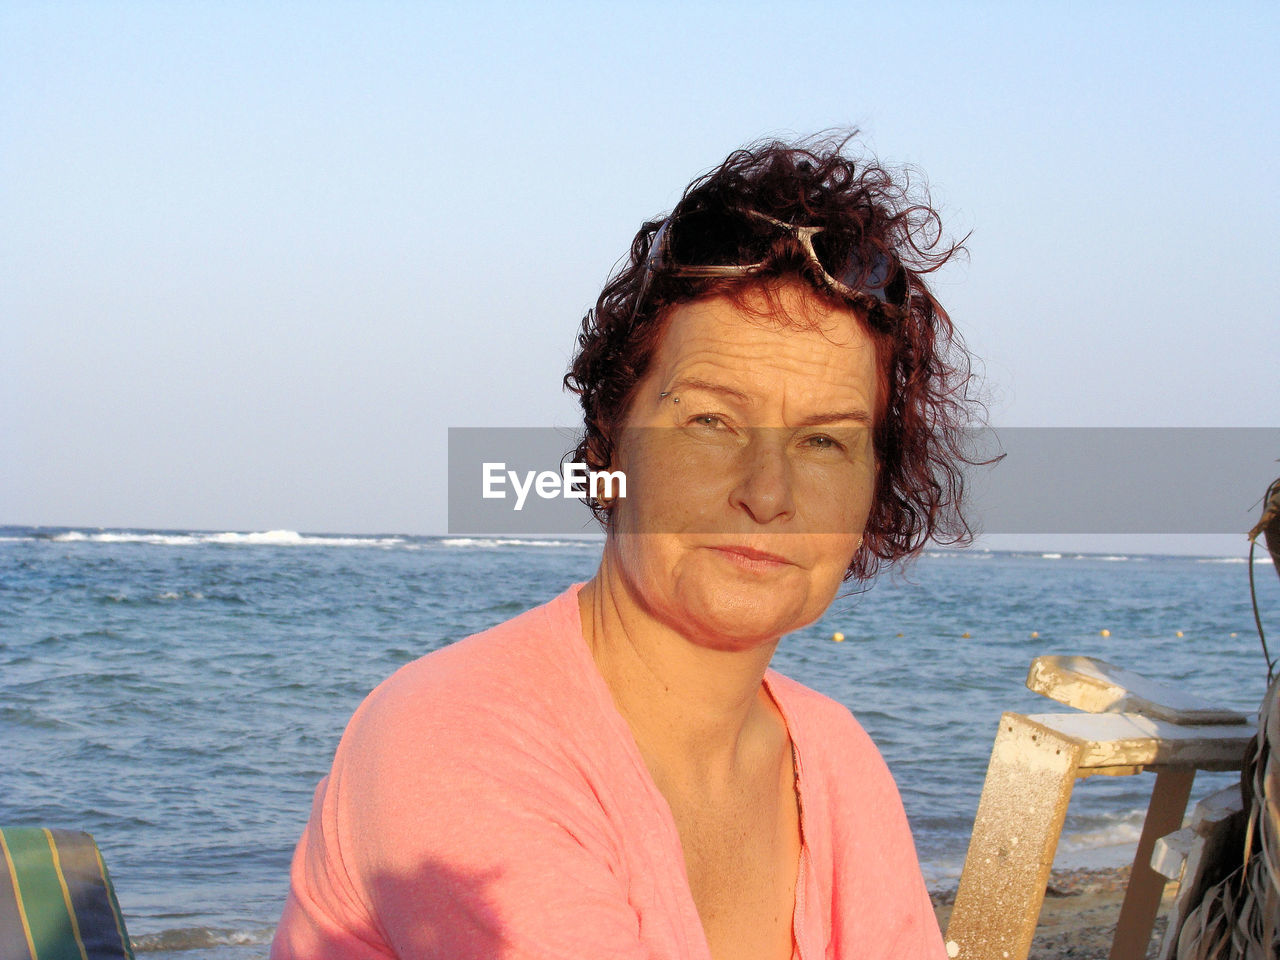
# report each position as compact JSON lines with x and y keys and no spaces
{"x":750,"y":466}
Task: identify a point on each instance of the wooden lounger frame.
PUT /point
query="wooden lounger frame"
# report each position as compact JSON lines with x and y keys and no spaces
{"x":1034,"y":764}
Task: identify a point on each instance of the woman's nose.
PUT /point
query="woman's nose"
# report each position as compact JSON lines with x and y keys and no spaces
{"x":765,"y":487}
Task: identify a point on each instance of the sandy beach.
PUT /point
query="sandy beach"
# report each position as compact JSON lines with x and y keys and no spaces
{"x":1079,"y":914}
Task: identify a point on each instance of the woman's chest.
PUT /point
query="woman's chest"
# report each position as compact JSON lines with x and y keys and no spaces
{"x":741,"y":856}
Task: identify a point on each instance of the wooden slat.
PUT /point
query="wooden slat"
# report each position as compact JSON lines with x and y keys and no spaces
{"x":1217,"y":824}
{"x":1169,"y":855}
{"x":1132,"y":740}
{"x":1097,"y":686}
{"x":1015,"y":835}
{"x":1145,"y":888}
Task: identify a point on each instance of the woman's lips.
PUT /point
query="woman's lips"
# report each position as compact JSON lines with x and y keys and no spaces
{"x":750,"y":557}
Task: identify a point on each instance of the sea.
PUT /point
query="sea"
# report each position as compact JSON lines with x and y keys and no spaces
{"x":179,"y":694}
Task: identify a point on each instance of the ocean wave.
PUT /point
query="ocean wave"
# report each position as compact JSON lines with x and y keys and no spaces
{"x":291,"y":538}
{"x":200,"y":938}
{"x":158,"y":539}
{"x":1050,"y":556}
{"x":941,"y":875}
{"x":1107,"y":840}
{"x":268,"y":538}
{"x":1257,"y":558}
{"x":1108,"y":830}
{"x":491,"y":542}
{"x":167,"y":596}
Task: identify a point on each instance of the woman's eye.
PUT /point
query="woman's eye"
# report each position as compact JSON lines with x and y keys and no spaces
{"x":708,"y":420}
{"x":822,"y":442}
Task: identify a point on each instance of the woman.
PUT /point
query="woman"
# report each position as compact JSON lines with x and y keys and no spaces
{"x":618,"y":773}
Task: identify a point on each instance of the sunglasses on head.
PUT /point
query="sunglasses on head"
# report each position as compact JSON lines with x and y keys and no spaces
{"x":738,"y":243}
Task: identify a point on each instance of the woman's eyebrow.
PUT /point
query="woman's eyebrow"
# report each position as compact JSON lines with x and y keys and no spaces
{"x":695,"y":383}
{"x":861,"y":417}
{"x":857,"y":415}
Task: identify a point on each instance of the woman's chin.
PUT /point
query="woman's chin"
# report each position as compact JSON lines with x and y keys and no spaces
{"x":725,"y":618}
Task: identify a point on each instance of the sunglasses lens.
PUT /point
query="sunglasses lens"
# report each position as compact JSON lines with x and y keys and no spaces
{"x":707,"y":243}
{"x":702,"y":238}
{"x":885,"y":281}
{"x":896,"y":289}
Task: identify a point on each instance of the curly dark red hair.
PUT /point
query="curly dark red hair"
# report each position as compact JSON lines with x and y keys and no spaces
{"x":924,"y":369}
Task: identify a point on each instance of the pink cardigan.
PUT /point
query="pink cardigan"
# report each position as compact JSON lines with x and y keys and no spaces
{"x":489,"y":801}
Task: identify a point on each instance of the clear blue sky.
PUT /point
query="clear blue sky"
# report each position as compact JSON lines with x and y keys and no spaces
{"x":256,"y":258}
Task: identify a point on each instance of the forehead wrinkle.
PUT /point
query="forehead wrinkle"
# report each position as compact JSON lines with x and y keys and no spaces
{"x":827,"y":368}
{"x":815,"y":388}
{"x":840,"y":402}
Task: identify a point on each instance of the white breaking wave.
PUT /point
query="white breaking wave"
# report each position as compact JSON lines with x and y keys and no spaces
{"x":268,"y":538}
{"x":1262,"y":557}
{"x":160,"y":539}
{"x":1108,"y":841}
{"x":291,"y":538}
{"x":198,"y":938}
{"x":1123,"y":830}
{"x":271,"y":538}
{"x":491,"y":542}
{"x":1050,"y":556}
{"x":942,"y":874}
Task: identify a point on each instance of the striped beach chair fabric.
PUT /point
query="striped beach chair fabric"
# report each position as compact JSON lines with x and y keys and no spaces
{"x":56,"y":898}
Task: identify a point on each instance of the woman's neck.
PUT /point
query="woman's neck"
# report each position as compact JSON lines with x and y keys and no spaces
{"x":697,"y":712}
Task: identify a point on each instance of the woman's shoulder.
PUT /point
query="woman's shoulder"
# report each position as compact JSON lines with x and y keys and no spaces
{"x":548,"y":634}
{"x":492,"y":683}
